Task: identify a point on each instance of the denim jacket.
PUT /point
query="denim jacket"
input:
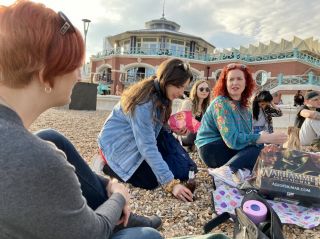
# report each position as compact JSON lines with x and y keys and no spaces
{"x":127,"y":140}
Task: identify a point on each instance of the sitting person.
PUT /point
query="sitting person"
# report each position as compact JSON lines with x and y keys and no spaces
{"x":308,"y":119}
{"x":225,"y":140}
{"x":263,"y":109}
{"x":197,"y":104}
{"x":298,"y":99}
{"x":47,"y":189}
{"x":128,"y":139}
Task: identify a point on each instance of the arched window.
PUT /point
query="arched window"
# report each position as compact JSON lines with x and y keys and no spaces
{"x":261,"y":78}
{"x":103,"y":76}
{"x":135,"y":74}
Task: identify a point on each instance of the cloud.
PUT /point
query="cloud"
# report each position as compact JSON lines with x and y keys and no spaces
{"x":223,"y":23}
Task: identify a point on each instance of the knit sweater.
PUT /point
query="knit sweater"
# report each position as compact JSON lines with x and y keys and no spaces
{"x":40,"y":192}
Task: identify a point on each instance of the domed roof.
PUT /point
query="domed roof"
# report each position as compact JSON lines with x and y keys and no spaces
{"x":163,"y":24}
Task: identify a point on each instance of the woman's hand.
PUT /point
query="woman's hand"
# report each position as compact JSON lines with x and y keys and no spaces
{"x":273,"y":138}
{"x":125,"y":216}
{"x":115,"y":187}
{"x":183,"y":193}
{"x":182,"y":131}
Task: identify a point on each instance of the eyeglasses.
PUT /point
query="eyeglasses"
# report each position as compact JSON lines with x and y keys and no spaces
{"x":236,"y":66}
{"x":202,"y":89}
{"x":66,"y":25}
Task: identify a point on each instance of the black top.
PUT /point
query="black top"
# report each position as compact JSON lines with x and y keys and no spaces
{"x":298,"y":100}
{"x":299,"y":119}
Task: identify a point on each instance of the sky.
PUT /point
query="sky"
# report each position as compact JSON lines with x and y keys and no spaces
{"x":223,"y":23}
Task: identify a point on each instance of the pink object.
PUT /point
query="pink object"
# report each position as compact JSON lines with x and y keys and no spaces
{"x":255,"y":210}
{"x":183,"y":119}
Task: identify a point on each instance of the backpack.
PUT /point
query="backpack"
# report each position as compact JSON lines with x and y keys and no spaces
{"x":244,"y":228}
{"x":175,"y":155}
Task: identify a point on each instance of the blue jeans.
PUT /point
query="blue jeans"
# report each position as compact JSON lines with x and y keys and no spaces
{"x":93,"y":186}
{"x":137,"y":232}
{"x":217,"y":154}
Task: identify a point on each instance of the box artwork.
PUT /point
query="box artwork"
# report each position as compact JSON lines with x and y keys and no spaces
{"x":288,"y":173}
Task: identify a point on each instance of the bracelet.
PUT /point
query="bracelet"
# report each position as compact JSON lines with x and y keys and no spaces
{"x":169,"y":186}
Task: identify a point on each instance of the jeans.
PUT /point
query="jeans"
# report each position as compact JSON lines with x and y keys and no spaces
{"x":93,"y":186}
{"x":217,"y":154}
{"x":137,"y":232}
{"x":188,"y":140}
{"x":143,"y":177}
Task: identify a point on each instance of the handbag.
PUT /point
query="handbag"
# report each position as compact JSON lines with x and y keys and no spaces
{"x":244,"y":228}
{"x":177,"y":158}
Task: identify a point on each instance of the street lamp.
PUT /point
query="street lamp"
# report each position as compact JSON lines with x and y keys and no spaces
{"x":86,"y":23}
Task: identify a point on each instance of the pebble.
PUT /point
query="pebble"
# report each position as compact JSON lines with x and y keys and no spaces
{"x":179,"y":218}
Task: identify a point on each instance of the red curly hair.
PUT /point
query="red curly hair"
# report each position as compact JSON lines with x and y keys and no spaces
{"x":221,"y":85}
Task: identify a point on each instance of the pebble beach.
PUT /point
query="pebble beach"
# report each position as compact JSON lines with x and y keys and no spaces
{"x":82,"y":128}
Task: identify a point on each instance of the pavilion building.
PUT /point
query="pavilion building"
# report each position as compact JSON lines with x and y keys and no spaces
{"x":283,"y":68}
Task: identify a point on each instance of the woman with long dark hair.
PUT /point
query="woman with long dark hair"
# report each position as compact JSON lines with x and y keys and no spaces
{"x":128,"y":139}
{"x":263,"y":109}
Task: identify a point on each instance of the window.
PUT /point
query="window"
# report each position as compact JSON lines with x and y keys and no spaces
{"x":135,"y":74}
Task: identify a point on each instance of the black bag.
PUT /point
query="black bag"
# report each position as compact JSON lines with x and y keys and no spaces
{"x":244,"y":228}
{"x":175,"y":155}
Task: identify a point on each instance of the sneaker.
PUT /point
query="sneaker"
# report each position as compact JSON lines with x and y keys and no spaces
{"x":141,"y":221}
{"x":225,"y":174}
{"x":97,"y":163}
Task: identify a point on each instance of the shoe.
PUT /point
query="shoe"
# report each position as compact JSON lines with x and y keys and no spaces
{"x":225,"y":174}
{"x":141,"y":221}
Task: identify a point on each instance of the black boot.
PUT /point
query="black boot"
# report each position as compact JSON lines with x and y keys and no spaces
{"x":141,"y":221}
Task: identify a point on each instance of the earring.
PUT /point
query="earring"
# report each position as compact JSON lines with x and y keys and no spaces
{"x":47,"y":90}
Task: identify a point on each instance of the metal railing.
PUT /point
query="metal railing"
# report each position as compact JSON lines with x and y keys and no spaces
{"x":234,"y":55}
{"x":273,"y":82}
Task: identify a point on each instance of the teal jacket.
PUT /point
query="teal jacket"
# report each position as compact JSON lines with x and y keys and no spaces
{"x":225,"y":119}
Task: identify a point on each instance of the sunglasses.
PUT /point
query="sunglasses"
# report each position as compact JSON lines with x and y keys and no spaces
{"x":66,"y":25}
{"x":236,"y":66}
{"x":202,"y":89}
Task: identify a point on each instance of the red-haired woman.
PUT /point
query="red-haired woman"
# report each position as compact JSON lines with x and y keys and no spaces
{"x":47,"y":189}
{"x":225,"y":140}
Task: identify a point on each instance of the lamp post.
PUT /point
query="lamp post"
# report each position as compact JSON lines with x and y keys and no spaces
{"x":86,"y":23}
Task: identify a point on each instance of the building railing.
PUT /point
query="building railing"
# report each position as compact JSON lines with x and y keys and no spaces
{"x":300,"y":80}
{"x":234,"y":55}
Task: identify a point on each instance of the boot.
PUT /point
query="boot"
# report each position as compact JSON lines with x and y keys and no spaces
{"x":141,"y":221}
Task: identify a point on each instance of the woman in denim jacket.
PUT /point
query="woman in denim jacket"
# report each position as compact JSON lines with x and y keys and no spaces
{"x":128,"y":139}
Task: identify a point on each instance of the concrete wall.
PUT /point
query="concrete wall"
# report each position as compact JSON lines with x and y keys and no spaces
{"x":107,"y":102}
{"x":288,"y":117}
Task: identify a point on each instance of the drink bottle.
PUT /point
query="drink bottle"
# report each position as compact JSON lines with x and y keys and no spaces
{"x":191,"y":183}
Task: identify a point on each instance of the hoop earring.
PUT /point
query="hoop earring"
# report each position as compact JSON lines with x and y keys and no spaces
{"x":47,"y":90}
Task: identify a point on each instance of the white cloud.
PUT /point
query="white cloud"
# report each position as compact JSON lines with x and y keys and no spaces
{"x":224,"y":23}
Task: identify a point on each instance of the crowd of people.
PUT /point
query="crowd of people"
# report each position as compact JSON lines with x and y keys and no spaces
{"x":55,"y":194}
